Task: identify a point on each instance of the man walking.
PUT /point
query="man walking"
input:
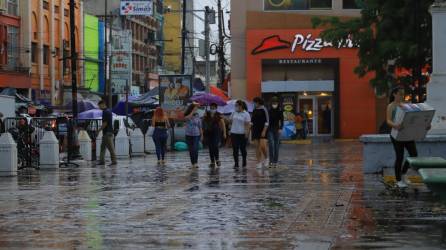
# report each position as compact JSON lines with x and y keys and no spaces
{"x":274,"y":131}
{"x":107,"y":135}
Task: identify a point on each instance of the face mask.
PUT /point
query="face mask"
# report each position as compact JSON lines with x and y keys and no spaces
{"x":275,"y":106}
{"x":213,"y":111}
{"x":178,"y":85}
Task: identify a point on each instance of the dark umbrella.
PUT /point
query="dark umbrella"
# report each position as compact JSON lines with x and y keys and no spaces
{"x":207,"y":99}
{"x":83,"y":105}
{"x":91,"y":114}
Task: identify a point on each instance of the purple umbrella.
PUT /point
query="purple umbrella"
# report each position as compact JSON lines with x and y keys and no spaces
{"x":230,"y":107}
{"x":83,"y":105}
{"x":91,"y":114}
{"x":207,"y":99}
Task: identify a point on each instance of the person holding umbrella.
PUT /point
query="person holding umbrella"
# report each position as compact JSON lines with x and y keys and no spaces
{"x":194,"y":132}
{"x":214,"y":126}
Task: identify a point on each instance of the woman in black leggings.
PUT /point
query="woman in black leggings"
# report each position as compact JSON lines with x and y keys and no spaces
{"x":240,"y":121}
{"x":396,"y":99}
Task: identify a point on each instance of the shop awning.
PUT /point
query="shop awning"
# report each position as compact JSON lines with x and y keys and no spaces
{"x":297,"y":86}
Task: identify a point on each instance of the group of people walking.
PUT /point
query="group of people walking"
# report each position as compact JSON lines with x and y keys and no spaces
{"x":264,"y":126}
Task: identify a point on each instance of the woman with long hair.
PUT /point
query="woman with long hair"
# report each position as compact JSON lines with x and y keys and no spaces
{"x":194,"y":132}
{"x":260,"y":123}
{"x":213,"y":127}
{"x":396,"y":100}
{"x":160,"y":123}
{"x":240,"y":125}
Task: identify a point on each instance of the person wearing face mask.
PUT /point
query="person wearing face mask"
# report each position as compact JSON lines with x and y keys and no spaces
{"x":194,"y":132}
{"x":274,"y":131}
{"x":213,"y":127}
{"x":240,"y":127}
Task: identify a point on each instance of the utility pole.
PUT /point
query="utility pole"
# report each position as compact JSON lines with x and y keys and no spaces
{"x":207,"y":29}
{"x":73,"y":58}
{"x":107,"y":84}
{"x":183,"y":38}
{"x":221,"y":49}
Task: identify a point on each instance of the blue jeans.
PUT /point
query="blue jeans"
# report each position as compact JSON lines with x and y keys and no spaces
{"x":160,"y":139}
{"x":193,"y":144}
{"x":273,"y":143}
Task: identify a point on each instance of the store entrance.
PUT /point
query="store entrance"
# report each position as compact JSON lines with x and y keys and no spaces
{"x":318,"y":113}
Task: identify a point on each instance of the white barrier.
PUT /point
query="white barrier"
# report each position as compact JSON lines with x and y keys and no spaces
{"x":8,"y":155}
{"x":49,"y":151}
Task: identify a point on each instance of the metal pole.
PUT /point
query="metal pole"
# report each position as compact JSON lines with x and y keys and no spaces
{"x":110,"y":84}
{"x":221,"y":52}
{"x":207,"y":46}
{"x":73,"y":58}
{"x":105,"y":50}
{"x":183,"y":38}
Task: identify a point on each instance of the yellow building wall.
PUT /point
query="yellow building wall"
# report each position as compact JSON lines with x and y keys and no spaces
{"x":172,"y":31}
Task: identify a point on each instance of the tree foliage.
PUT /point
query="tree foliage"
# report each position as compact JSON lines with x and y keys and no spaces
{"x":391,"y":34}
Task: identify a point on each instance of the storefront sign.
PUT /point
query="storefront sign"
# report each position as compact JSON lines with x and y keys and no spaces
{"x":304,"y":42}
{"x":137,"y":8}
{"x":121,"y":61}
{"x":175,"y":91}
{"x":295,"y":61}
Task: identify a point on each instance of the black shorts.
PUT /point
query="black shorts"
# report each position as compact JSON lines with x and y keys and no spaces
{"x":257,"y":133}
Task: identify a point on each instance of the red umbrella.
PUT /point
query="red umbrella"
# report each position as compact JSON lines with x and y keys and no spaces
{"x":218,"y":92}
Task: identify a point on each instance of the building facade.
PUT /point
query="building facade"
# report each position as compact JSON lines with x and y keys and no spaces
{"x":276,"y":52}
{"x":14,"y":71}
{"x":145,"y":43}
{"x":45,"y":35}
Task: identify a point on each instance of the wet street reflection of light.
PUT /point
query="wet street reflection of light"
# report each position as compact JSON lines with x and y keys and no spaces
{"x":317,"y":198}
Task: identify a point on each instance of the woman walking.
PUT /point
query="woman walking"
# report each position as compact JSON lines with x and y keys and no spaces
{"x":240,"y":125}
{"x":194,"y":132}
{"x":274,"y":131}
{"x":160,"y":123}
{"x":396,"y":100}
{"x":260,"y":124}
{"x":214,"y":126}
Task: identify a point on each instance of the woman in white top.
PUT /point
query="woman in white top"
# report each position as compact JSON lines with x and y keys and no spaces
{"x":241,"y":123}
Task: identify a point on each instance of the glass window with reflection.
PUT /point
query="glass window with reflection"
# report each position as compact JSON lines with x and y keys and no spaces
{"x":351,"y":4}
{"x":290,"y":5}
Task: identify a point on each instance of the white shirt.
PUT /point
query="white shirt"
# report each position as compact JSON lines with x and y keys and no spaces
{"x":239,"y":120}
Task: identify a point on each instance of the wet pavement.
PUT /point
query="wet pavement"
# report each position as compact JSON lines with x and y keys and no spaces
{"x":317,"y":199}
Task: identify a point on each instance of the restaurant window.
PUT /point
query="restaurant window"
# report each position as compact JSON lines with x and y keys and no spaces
{"x":46,"y":5}
{"x":34,"y":52}
{"x":12,"y":7}
{"x":351,"y":4}
{"x":290,"y":5}
{"x":46,"y":54}
{"x":13,"y":46}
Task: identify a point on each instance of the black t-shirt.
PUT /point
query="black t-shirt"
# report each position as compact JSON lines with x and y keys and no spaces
{"x":260,"y":119}
{"x":107,"y":117}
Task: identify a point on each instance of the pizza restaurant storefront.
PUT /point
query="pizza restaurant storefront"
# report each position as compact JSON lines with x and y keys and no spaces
{"x":311,"y":77}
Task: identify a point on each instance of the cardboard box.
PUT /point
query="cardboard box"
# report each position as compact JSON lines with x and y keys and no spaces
{"x":414,"y":118}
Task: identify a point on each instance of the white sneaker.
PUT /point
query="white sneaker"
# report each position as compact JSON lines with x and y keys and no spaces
{"x":401,"y":184}
{"x":259,"y":165}
{"x":265,"y":162}
{"x":406,"y":180}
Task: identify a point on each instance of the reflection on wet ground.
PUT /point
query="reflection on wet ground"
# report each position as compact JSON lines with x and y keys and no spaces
{"x":317,"y":199}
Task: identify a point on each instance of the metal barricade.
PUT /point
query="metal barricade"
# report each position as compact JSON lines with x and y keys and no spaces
{"x":21,"y":130}
{"x":92,"y":127}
